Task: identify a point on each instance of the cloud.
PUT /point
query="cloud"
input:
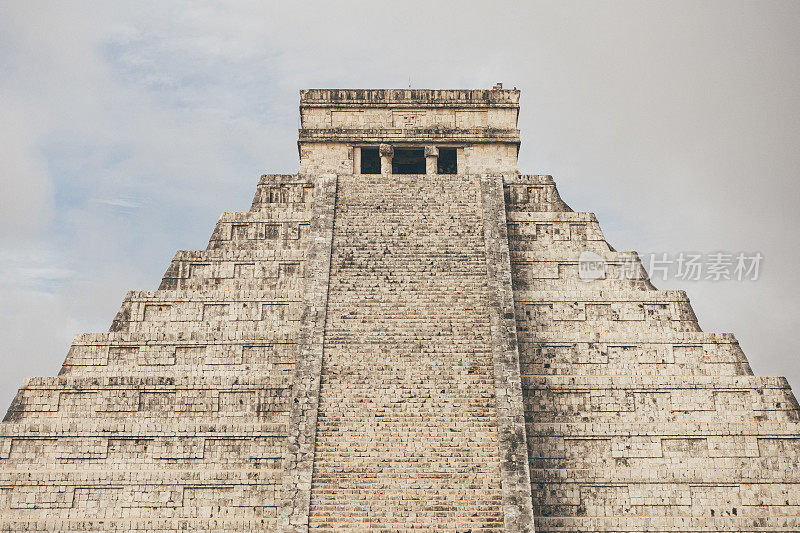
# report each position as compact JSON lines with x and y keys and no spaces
{"x":126,"y":128}
{"x":118,"y":202}
{"x":26,"y":188}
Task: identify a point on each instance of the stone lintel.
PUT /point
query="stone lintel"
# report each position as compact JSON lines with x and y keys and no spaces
{"x":302,"y":430}
{"x":514,"y":467}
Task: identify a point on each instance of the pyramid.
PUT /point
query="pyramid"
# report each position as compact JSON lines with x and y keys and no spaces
{"x":400,"y":337}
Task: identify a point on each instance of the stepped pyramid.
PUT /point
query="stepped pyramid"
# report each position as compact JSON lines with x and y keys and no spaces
{"x":397,"y":338}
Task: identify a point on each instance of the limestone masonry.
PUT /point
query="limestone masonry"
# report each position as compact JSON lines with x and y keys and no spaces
{"x":397,"y":338}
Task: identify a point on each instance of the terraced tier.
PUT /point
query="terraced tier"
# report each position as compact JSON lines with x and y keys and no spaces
{"x":636,"y":419}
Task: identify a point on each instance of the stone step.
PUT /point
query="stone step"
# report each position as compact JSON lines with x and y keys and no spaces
{"x":407,"y":394}
{"x":256,"y":397}
{"x":730,"y":498}
{"x":133,"y":450}
{"x":555,"y":270}
{"x":760,"y":384}
{"x":143,"y":494}
{"x":200,"y":406}
{"x":534,"y":193}
{"x":283,"y":190}
{"x":698,"y":441}
{"x":100,"y":427}
{"x":633,"y":337}
{"x":203,"y":296}
{"x":235,"y":270}
{"x":571,"y":311}
{"x":219,"y":369}
{"x":238,"y":255}
{"x":666,"y":398}
{"x":655,"y":521}
{"x":673,"y":473}
{"x":208,"y":310}
{"x":369,"y":477}
{"x":395,"y":518}
{"x":266,"y":230}
{"x":143,"y":353}
{"x":675,"y":457}
{"x":590,"y":295}
{"x":86,"y":525}
{"x":576,"y":429}
{"x":567,"y":231}
{"x":551,"y":216}
{"x":157,"y":338}
{"x":711,"y":500}
{"x":253,"y":380}
{"x":629,"y":357}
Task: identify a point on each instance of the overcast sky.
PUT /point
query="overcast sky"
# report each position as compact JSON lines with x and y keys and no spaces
{"x":126,"y":129}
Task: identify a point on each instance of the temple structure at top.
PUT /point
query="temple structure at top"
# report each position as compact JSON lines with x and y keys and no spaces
{"x":408,"y":131}
{"x":407,"y":335}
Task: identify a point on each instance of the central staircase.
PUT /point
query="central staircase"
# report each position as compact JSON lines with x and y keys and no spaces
{"x":407,"y":423}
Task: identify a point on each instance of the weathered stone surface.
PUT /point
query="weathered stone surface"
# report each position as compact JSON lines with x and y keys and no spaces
{"x":407,"y":432}
{"x":514,"y":469}
{"x":636,"y":420}
{"x":300,"y":446}
{"x":384,"y":352}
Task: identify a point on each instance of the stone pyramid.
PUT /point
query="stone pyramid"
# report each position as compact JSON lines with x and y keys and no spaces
{"x":397,"y":338}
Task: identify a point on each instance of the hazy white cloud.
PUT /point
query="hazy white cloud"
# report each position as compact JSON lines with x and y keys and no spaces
{"x":118,"y":202}
{"x":25,"y":186}
{"x":125,"y":129}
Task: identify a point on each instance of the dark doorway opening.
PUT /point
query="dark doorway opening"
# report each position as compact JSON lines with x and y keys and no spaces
{"x":408,"y":161}
{"x":370,"y":161}
{"x":447,"y":161}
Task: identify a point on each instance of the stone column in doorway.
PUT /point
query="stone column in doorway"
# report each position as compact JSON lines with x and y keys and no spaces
{"x":386,"y":152}
{"x":431,"y":159}
{"x":356,"y":160}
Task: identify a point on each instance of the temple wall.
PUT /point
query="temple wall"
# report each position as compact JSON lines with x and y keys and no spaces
{"x":405,"y":118}
{"x":488,"y":159}
{"x":326,"y":158}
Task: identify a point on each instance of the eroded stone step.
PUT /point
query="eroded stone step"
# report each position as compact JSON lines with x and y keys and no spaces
{"x":163,"y":354}
{"x":145,"y":397}
{"x":534,"y":193}
{"x":101,"y":525}
{"x":186,"y":311}
{"x":281,"y":191}
{"x":245,"y":493}
{"x":285,"y":229}
{"x":235,"y":270}
{"x":604,"y":311}
{"x":656,"y":522}
{"x":626,"y":353}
